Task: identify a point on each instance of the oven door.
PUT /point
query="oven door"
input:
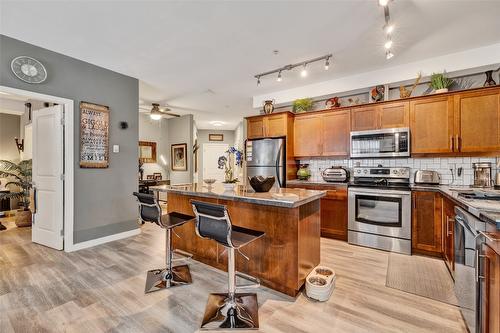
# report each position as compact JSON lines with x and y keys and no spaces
{"x":380,"y":211}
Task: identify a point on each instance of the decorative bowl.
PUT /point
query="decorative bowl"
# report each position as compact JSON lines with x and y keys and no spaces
{"x":261,"y":184}
{"x":209,"y":181}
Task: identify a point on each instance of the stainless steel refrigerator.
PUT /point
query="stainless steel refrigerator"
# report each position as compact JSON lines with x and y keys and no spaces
{"x":267,"y":157}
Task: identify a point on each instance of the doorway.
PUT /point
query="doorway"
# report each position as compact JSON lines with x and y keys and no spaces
{"x":211,"y":154}
{"x":52,"y":152}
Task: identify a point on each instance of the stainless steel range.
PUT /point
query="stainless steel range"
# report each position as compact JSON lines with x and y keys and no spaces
{"x":380,"y":208}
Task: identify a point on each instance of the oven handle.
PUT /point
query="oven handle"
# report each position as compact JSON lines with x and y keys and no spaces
{"x":377,"y":193}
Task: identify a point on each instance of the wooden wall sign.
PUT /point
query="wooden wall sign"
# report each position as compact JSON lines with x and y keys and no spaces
{"x":215,"y":137}
{"x":94,"y":135}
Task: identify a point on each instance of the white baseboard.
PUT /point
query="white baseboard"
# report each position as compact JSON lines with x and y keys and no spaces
{"x":102,"y":240}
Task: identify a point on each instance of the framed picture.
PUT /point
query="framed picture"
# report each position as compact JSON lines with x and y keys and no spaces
{"x":178,"y":158}
{"x":94,"y":135}
{"x":157,"y":175}
{"x":147,"y":152}
{"x":216,"y":137}
{"x":150,"y":177}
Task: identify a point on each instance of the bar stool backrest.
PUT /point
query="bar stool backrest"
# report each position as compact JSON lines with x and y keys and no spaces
{"x":213,"y":222}
{"x":149,"y":208}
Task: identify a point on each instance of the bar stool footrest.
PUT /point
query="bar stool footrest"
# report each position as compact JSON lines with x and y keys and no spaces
{"x":183,"y":254}
{"x":219,"y":313}
{"x":158,"y":279}
{"x":255,"y":281}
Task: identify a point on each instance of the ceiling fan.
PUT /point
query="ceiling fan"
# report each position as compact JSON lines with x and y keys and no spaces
{"x":156,"y":112}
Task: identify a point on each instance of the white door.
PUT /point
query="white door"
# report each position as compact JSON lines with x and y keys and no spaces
{"x":48,"y":168}
{"x":211,"y":154}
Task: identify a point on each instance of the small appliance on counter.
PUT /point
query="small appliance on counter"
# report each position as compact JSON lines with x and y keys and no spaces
{"x":482,"y":174}
{"x":303,"y":173}
{"x":335,"y":174}
{"x":427,"y":177}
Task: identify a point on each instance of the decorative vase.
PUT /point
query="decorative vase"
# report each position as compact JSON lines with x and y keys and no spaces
{"x":440,"y":91}
{"x":229,"y":187}
{"x":268,"y":106}
{"x":489,"y":79}
{"x":303,"y":173}
{"x":23,"y":218}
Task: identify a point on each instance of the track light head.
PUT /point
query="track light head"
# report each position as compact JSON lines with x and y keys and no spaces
{"x":389,"y":54}
{"x":383,"y":3}
{"x":303,"y":72}
{"x":388,"y":28}
{"x":327,"y":63}
{"x":279,"y":79}
{"x":258,"y":80}
{"x":388,"y":44}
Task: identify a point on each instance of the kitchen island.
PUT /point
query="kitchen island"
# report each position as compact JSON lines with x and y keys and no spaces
{"x":290,"y":218}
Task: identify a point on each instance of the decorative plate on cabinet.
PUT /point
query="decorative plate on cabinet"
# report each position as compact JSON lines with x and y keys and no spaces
{"x":28,"y":69}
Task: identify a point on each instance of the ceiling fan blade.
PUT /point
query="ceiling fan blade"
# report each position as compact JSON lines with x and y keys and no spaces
{"x":172,"y":114}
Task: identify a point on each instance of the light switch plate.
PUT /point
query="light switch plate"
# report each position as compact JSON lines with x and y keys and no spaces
{"x":116,"y":148}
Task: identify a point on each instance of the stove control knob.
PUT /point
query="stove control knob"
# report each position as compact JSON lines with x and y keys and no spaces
{"x":358,"y":171}
{"x":365,"y":171}
{"x":395,"y":171}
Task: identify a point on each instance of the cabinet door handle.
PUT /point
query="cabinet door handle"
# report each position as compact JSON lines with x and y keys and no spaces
{"x":452,"y":143}
{"x":460,"y":143}
{"x":486,"y":262}
{"x":457,"y":145}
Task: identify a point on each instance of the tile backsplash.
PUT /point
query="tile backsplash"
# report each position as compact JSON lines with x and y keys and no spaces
{"x":447,"y":167}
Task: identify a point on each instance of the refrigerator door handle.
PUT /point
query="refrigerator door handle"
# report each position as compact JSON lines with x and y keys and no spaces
{"x":278,"y":158}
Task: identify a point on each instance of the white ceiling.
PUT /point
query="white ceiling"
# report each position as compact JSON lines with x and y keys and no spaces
{"x":200,"y":57}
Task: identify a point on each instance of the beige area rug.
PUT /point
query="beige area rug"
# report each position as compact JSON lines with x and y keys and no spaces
{"x":421,"y":276}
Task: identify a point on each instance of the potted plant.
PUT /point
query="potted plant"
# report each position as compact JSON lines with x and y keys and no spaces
{"x":440,"y":83}
{"x":21,"y":175}
{"x":302,"y":105}
{"x":234,"y":158}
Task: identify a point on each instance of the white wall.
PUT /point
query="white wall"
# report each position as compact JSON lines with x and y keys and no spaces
{"x":229,"y":137}
{"x":180,"y":130}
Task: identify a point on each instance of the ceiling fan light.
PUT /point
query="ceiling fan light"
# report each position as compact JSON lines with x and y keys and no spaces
{"x":155,"y":116}
{"x":383,"y":2}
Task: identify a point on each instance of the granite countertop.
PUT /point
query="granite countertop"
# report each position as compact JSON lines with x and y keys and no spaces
{"x":315,"y":182}
{"x":486,"y":210}
{"x":285,"y":197}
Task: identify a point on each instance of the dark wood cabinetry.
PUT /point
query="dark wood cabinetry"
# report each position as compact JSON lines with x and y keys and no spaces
{"x":427,"y":226}
{"x":333,"y":210}
{"x":489,"y":279}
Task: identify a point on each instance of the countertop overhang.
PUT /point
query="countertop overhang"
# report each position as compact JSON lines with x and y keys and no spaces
{"x":292,"y":197}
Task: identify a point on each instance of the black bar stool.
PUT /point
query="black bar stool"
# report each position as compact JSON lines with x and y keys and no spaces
{"x":150,"y":211}
{"x":228,"y":310}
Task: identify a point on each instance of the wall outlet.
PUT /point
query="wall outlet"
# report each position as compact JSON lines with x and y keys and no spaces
{"x":116,"y":148}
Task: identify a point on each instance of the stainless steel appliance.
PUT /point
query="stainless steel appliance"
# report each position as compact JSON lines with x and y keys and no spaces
{"x":389,"y":142}
{"x":379,"y":208}
{"x":335,"y":174}
{"x":427,"y":177}
{"x":267,"y":157}
{"x":482,"y":174}
{"x":468,"y":239}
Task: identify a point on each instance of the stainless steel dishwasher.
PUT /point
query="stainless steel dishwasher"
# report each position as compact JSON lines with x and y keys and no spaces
{"x":467,"y":242}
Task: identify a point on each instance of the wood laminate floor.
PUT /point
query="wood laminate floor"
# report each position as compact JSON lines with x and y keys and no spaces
{"x":101,"y":289}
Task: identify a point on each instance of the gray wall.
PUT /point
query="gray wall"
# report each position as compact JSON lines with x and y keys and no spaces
{"x":103,"y":197}
{"x":9,"y":129}
{"x":155,"y":131}
{"x":180,"y":130}
{"x":203,"y":138}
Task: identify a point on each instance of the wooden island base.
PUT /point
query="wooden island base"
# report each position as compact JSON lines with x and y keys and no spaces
{"x":281,"y":259}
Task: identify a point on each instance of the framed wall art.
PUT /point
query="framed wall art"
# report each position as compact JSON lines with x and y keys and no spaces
{"x":215,"y":137}
{"x":94,"y":135}
{"x":178,"y":157}
{"x":147,"y":152}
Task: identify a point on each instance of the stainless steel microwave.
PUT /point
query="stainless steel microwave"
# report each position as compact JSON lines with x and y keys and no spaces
{"x":389,"y":142}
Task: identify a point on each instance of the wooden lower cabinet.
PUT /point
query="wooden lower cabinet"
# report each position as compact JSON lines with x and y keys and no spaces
{"x":448,"y":227}
{"x":333,"y":210}
{"x":427,"y":229}
{"x":490,"y":289}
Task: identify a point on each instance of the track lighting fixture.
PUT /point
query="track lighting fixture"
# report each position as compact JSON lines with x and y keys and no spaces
{"x":388,"y":28}
{"x":388,"y":54}
{"x":303,"y":72}
{"x":383,"y":3}
{"x":388,"y":44}
{"x":303,"y":64}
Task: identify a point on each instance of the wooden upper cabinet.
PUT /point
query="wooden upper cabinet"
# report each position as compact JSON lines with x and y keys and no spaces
{"x":364,"y":118}
{"x":308,"y":135}
{"x":478,"y":118}
{"x":431,"y":125}
{"x":427,"y":232}
{"x":255,"y":127}
{"x":393,"y":115}
{"x":336,"y":127}
{"x":275,"y":125}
